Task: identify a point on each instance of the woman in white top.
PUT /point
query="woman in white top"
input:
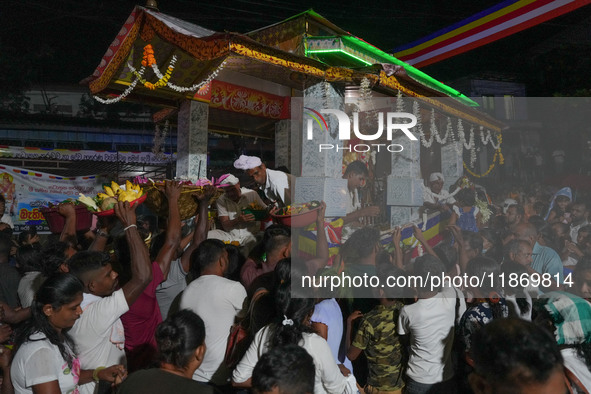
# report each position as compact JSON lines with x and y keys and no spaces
{"x":45,"y":361}
{"x":294,"y":327}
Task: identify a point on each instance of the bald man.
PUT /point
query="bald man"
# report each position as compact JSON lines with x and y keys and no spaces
{"x":545,"y":259}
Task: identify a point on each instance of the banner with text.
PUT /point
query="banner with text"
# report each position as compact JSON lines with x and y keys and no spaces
{"x":27,"y":191}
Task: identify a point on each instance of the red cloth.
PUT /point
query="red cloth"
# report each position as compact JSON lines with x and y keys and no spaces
{"x":140,"y":324}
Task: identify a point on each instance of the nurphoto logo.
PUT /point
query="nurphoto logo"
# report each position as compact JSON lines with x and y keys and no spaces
{"x":392,"y":124}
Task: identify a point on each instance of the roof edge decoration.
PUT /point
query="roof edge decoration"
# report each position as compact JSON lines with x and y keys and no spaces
{"x":197,"y":54}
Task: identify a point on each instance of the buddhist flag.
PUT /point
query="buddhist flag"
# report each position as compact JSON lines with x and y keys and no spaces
{"x":499,"y":21}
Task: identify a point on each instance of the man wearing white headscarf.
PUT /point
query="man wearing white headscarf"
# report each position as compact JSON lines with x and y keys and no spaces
{"x":275,"y":184}
{"x":434,"y":196}
{"x":236,"y":225}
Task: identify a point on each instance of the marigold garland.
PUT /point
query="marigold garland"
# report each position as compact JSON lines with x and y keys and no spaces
{"x":149,"y":60}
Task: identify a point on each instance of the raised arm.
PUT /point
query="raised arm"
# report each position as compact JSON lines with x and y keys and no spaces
{"x":200,"y":233}
{"x":68,"y":211}
{"x":172,"y":190}
{"x":322,"y":251}
{"x":141,"y":268}
{"x":103,"y":227}
{"x":459,"y":243}
{"x":421,"y":238}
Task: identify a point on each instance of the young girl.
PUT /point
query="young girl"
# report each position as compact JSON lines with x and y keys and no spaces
{"x":293,"y":327}
{"x":181,"y":347}
{"x":465,"y":214}
{"x":557,"y":211}
{"x":45,"y":360}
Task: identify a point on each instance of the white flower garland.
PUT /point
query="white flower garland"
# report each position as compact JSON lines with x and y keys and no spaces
{"x":196,"y":86}
{"x":458,"y":145}
{"x":432,"y":129}
{"x":416,"y":110}
{"x":125,"y":93}
{"x":448,"y":131}
{"x":159,"y":74}
{"x":399,"y":102}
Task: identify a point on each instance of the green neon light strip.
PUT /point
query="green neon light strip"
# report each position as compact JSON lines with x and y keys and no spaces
{"x":340,"y":51}
{"x":358,"y":44}
{"x":413,"y":72}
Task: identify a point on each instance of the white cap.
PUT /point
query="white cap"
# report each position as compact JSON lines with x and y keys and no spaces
{"x":507,"y":203}
{"x":247,"y":162}
{"x":227,"y":180}
{"x":436,"y":176}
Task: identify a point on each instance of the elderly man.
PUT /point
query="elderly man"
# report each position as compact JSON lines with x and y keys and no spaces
{"x":236,"y":225}
{"x":434,"y":197}
{"x":275,"y":184}
{"x":545,"y":259}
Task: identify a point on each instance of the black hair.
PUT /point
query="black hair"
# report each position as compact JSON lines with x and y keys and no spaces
{"x":357,"y":167}
{"x":391,"y":292}
{"x":178,"y":337}
{"x":87,"y":261}
{"x":514,"y":352}
{"x":53,"y":255}
{"x":447,"y":254}
{"x":426,"y":266}
{"x":276,"y":236}
{"x":156,"y":244}
{"x":291,"y":312}
{"x":509,"y":268}
{"x":235,"y":262}
{"x":467,"y":197}
{"x":57,"y":291}
{"x":2,"y":200}
{"x":582,"y":202}
{"x":549,"y":236}
{"x":289,"y":368}
{"x":582,"y":266}
{"x":5,"y":244}
{"x":360,"y":245}
{"x":519,"y":208}
{"x":474,"y":240}
{"x":495,"y":252}
{"x":484,"y":267}
{"x":540,"y":207}
{"x":28,"y":259}
{"x":207,"y":253}
{"x":22,"y":237}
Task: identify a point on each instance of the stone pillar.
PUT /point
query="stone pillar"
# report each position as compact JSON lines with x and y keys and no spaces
{"x":404,"y":185}
{"x":192,"y":140}
{"x":327,"y":163}
{"x":451,"y":163}
{"x":321,"y":171}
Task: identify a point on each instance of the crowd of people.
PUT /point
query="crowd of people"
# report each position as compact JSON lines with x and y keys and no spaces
{"x":190,"y":309}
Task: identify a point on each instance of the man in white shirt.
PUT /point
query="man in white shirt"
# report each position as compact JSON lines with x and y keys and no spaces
{"x":98,"y":334}
{"x":217,"y":301}
{"x":236,"y":225}
{"x":429,"y":325}
{"x":434,"y":196}
{"x":275,"y":184}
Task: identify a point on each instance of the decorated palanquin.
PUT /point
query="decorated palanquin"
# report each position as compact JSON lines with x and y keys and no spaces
{"x":248,"y":82}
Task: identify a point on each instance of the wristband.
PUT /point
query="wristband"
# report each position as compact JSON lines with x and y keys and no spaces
{"x":130,"y":226}
{"x":96,"y":372}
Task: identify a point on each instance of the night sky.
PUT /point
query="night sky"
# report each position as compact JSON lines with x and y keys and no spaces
{"x":62,"y":41}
